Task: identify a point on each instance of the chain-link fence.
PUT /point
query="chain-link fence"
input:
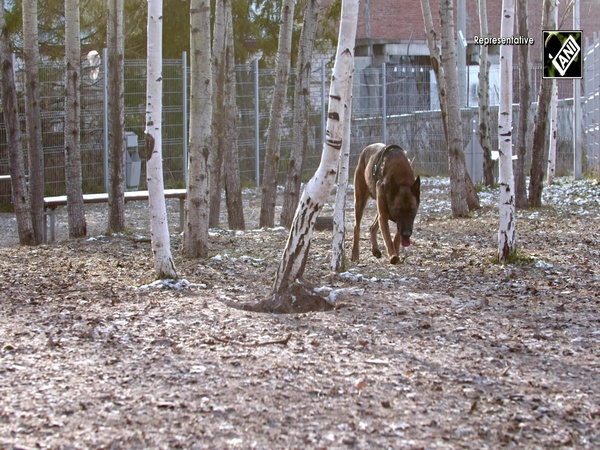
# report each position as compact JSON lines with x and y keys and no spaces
{"x":591,"y":104}
{"x":391,"y":103}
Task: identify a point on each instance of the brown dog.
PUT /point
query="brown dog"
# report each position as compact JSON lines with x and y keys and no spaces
{"x":385,"y":174}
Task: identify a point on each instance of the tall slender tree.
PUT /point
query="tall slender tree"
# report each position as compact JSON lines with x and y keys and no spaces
{"x":551,"y":171}
{"x":218,"y":111}
{"x":540,"y":126}
{"x":33,"y":118}
{"x":506,"y":231}
{"x":195,"y":236}
{"x":76,"y":214}
{"x":300,"y":130}
{"x":462,"y":191}
{"x":228,"y":143}
{"x":159,"y":226}
{"x":316,"y":192}
{"x":463,"y":195}
{"x":278,"y":104}
{"x":115,"y":51}
{"x":484,"y":98}
{"x":338,"y":254}
{"x":524,"y":105}
{"x":20,"y":196}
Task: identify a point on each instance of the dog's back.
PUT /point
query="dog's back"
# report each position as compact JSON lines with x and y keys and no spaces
{"x":371,"y":167}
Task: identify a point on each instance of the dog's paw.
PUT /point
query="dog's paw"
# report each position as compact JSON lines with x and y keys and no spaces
{"x":394,"y":259}
{"x":377,"y":253}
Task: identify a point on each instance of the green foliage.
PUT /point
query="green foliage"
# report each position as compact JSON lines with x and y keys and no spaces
{"x":255,"y":24}
{"x":516,"y":258}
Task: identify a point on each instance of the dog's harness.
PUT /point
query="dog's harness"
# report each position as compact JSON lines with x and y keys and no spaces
{"x":377,"y":174}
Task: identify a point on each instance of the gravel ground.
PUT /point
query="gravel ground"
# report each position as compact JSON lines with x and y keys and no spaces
{"x":446,"y":350}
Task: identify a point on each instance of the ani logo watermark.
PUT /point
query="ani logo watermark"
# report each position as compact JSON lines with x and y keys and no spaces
{"x":562,"y":54}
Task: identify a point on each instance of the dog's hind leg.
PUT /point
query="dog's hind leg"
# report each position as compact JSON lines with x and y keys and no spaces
{"x":373,"y":229}
{"x":360,"y":201}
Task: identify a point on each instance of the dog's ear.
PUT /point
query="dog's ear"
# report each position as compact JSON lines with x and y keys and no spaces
{"x":416,"y":188}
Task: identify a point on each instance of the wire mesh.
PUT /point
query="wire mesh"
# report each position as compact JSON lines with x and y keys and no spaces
{"x":392,"y":103}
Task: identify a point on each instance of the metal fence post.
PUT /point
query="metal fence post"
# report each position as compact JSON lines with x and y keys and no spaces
{"x":256,"y":123}
{"x":384,"y":101}
{"x":577,"y":151}
{"x":105,"y":114}
{"x":185,"y":117}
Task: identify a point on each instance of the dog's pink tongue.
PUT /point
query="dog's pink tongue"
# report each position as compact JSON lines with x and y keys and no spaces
{"x":405,"y":242}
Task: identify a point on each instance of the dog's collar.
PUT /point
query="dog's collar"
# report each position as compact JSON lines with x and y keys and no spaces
{"x":377,"y":174}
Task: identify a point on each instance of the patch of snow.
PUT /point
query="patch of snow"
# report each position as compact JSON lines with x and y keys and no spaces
{"x":177,"y":285}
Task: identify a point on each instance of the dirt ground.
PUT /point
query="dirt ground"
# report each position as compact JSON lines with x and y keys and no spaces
{"x":446,"y":350}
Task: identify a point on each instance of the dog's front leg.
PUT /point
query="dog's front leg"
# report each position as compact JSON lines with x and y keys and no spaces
{"x":397,"y":239}
{"x":387,"y":239}
{"x":373,"y":229}
{"x":385,"y":231}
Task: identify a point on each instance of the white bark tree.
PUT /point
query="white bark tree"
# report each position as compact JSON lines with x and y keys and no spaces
{"x":76,"y":214}
{"x":271,"y":166}
{"x":33,"y":118}
{"x":338,"y":255}
{"x":197,"y":203}
{"x":506,"y":231}
{"x":115,"y":50}
{"x":317,"y":189}
{"x":20,"y":196}
{"x":159,"y":227}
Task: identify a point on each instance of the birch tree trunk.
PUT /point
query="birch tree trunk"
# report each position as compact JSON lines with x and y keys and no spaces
{"x":197,"y":203}
{"x":436,"y":62}
{"x":506,"y":231}
{"x":271,"y":165}
{"x":484,"y":98}
{"x":462,"y":191}
{"x":11,"y":115}
{"x":540,"y":126}
{"x":338,"y":255}
{"x":116,"y":116}
{"x":231,"y":172}
{"x":317,"y":189}
{"x":76,"y":215}
{"x":524,"y":105}
{"x":301,"y":104}
{"x":551,"y":171}
{"x":218,"y":109}
{"x":159,"y":228}
{"x":33,"y":119}
{"x":456,"y":157}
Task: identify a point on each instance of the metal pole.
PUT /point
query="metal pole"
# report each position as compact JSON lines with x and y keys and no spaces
{"x":384,"y":102}
{"x":185,"y":117}
{"x":105,"y":113}
{"x":577,"y":111}
{"x":256,"y":122}
{"x":461,"y":51}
